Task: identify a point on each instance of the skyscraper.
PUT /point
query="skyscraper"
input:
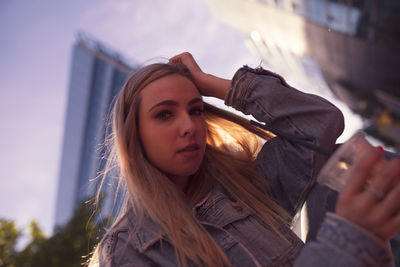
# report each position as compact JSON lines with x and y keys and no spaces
{"x":96,"y":76}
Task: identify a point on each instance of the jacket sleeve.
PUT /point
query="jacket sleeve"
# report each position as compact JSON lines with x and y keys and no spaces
{"x":289,"y":168}
{"x":342,"y":243}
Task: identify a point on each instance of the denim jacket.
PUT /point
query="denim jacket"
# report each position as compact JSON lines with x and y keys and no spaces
{"x":290,"y":171}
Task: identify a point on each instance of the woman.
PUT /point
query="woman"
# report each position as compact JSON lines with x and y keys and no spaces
{"x":201,"y":191}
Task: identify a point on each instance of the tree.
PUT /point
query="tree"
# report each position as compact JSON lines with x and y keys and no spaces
{"x":71,"y":242}
{"x":26,"y":256}
{"x":8,"y":239}
{"x":69,"y":245}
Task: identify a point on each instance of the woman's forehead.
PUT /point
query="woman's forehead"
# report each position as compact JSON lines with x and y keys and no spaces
{"x":172,"y":87}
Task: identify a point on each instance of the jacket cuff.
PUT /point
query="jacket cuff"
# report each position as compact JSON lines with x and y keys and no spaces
{"x":241,"y":85}
{"x":354,"y":241}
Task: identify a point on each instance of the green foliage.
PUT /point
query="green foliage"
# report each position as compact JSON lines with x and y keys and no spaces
{"x":8,"y":239}
{"x":37,"y":239}
{"x":69,"y":245}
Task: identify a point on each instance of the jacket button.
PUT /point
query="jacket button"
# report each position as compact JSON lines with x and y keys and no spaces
{"x":236,"y":206}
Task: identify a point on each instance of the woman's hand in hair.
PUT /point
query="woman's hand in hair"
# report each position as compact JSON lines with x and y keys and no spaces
{"x":371,"y":197}
{"x":207,"y":84}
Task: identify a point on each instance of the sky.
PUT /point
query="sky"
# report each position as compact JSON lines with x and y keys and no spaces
{"x":35,"y":52}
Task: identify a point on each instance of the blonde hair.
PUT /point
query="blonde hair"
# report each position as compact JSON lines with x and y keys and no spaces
{"x":232,"y":165}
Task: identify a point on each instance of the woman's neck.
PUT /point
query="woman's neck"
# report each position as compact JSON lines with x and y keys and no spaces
{"x":182,"y":182}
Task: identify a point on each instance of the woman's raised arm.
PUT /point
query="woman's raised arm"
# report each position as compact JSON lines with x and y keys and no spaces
{"x":209,"y":85}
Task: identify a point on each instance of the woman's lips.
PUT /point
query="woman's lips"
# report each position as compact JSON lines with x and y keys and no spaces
{"x":190,"y":151}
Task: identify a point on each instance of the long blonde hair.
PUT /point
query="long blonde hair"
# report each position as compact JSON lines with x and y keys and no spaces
{"x":232,"y":146}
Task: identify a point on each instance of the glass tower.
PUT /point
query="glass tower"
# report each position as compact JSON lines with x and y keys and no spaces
{"x":96,"y":76}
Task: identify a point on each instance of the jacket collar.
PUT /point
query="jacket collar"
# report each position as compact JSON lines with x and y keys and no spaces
{"x":146,"y":232}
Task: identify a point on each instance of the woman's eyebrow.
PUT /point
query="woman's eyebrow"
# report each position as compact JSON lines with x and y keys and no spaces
{"x":174,"y":103}
{"x":195,"y":100}
{"x":165,"y":102}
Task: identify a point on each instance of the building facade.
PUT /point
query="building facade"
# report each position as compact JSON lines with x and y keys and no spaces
{"x":343,"y":50}
{"x":96,"y":76}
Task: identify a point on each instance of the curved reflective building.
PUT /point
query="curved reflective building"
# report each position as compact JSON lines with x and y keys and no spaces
{"x":353,"y":44}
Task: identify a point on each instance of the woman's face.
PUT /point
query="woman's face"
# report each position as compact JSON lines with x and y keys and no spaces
{"x":172,"y":127}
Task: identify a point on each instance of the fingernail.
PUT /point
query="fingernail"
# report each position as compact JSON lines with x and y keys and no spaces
{"x":380,"y":148}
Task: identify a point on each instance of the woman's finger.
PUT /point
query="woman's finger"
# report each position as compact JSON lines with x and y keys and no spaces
{"x":361,"y":170}
{"x":390,"y":206}
{"x":178,"y":58}
{"x":392,"y":228}
{"x":187,"y":59}
{"x":382,"y":181}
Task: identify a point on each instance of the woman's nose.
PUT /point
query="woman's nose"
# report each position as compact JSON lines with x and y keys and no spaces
{"x":188,"y":126}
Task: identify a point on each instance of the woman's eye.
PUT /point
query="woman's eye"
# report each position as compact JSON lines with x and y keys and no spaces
{"x":196,"y":111}
{"x":163,"y":115}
